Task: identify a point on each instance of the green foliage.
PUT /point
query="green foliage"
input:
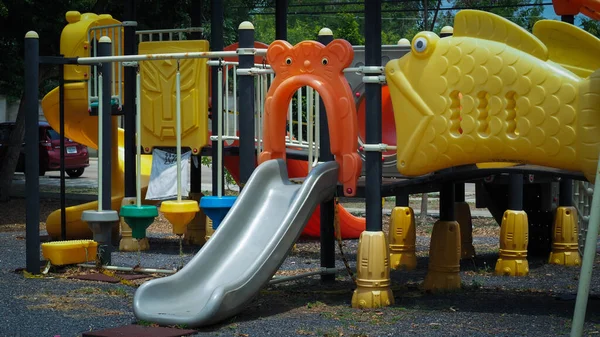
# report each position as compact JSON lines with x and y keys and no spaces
{"x":591,"y":26}
{"x":229,"y":180}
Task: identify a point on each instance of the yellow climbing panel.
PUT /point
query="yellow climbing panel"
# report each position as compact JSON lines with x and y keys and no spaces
{"x":518,"y":105}
{"x":158,"y":97}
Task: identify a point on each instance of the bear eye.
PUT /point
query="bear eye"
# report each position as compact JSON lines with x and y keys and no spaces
{"x":288,"y":61}
{"x":420,"y":44}
{"x":324,"y":61}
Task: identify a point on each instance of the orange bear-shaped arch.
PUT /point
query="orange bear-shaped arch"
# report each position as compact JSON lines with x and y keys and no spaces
{"x":310,"y":63}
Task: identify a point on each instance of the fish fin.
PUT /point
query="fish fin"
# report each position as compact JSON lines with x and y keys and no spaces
{"x":488,"y":26}
{"x":588,"y":121}
{"x":571,"y":47}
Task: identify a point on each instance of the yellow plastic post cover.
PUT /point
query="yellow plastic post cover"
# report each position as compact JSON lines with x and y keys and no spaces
{"x":402,"y":238}
{"x":179,"y":213}
{"x":462,"y":213}
{"x":373,"y":272}
{"x":444,"y":257}
{"x":565,"y":244}
{"x":514,"y":237}
{"x":70,"y":252}
{"x":209,"y":229}
{"x":196,"y":229}
{"x":128,"y":243}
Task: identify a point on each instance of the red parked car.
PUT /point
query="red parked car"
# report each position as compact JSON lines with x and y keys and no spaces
{"x":76,"y":155}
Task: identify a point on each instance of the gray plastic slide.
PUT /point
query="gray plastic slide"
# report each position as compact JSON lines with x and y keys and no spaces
{"x":244,"y":252}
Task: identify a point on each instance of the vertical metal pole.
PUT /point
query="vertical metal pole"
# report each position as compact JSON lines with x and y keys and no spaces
{"x":447,"y":202}
{"x":565,"y":194}
{"x":246,"y":88}
{"x":402,"y":199}
{"x":105,"y":49}
{"x":459,"y":192}
{"x":61,"y":131}
{"x":196,"y":170}
{"x":568,"y":19}
{"x":216,"y":43}
{"x":32,"y":141}
{"x":281,"y":8}
{"x":328,"y":207}
{"x":129,"y":102}
{"x":515,"y":192}
{"x":373,"y":167}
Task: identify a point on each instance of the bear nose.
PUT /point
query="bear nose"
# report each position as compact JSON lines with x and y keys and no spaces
{"x":307,"y":63}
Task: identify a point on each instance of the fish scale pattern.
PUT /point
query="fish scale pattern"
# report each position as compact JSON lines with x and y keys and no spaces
{"x":509,"y":109}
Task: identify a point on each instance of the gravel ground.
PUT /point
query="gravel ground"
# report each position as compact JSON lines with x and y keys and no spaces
{"x":540,"y":304}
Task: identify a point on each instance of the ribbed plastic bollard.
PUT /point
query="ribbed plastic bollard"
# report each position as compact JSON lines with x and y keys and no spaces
{"x":565,"y":249}
{"x":444,"y":257}
{"x":402,"y":237}
{"x":514,"y":237}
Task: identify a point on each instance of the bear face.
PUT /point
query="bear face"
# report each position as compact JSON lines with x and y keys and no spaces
{"x":309,"y":57}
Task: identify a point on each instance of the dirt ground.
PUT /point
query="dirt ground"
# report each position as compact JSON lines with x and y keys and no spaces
{"x":540,"y":304}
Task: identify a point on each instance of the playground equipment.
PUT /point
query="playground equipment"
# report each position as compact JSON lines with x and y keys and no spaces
{"x":77,"y":41}
{"x":589,"y":8}
{"x":216,"y":284}
{"x":405,"y":88}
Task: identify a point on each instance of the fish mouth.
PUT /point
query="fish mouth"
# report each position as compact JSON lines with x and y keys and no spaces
{"x":405,"y":87}
{"x":412,"y":115}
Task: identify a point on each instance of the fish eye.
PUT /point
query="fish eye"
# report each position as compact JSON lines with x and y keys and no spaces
{"x":325,"y":61}
{"x":288,"y":61}
{"x":420,"y":44}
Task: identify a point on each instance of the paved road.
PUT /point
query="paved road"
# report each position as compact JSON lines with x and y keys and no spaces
{"x":89,"y":179}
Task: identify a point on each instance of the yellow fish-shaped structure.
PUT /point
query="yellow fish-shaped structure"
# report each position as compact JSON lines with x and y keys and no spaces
{"x":493,"y":92}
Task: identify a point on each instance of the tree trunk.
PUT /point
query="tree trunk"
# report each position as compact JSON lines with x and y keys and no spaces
{"x":11,"y":154}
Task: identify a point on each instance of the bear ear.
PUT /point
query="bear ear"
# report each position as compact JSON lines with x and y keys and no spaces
{"x":341,"y":50}
{"x":276,"y":52}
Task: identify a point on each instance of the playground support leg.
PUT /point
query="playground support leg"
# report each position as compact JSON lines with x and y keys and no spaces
{"x":281,"y":8}
{"x":514,"y":233}
{"x":589,"y":253}
{"x":61,"y":131}
{"x":373,"y":279}
{"x":462,"y":212}
{"x":196,"y":229}
{"x":565,"y":243}
{"x":328,"y":207}
{"x":216,"y":41}
{"x":247,"y":120}
{"x":129,"y":109}
{"x":444,"y":250}
{"x":402,"y":199}
{"x":32,"y":179}
{"x":127,"y":242}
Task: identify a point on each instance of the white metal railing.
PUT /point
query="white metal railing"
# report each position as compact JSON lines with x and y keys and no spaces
{"x":583,"y":192}
{"x":176,"y":34}
{"x":115,"y":33}
{"x":303,"y":121}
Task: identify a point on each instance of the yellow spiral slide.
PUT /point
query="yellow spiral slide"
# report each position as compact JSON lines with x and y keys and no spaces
{"x":83,"y":128}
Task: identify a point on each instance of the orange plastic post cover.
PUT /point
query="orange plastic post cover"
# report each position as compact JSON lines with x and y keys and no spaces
{"x":310,"y":63}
